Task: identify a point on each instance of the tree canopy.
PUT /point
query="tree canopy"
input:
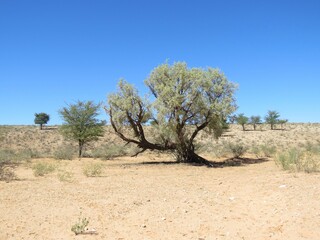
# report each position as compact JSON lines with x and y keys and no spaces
{"x":41,"y":118}
{"x":272,"y":118}
{"x":81,"y":123}
{"x":183,"y":101}
{"x":242,"y":120}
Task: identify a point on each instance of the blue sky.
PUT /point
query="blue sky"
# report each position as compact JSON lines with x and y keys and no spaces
{"x":57,"y":52}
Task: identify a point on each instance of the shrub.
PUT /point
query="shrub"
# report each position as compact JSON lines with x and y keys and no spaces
{"x":237,"y":149}
{"x":93,"y":169}
{"x":64,"y":153}
{"x":8,"y":160}
{"x":80,"y":226}
{"x":300,"y":161}
{"x":268,"y":150}
{"x":107,"y":152}
{"x":42,"y":168}
{"x":6,"y":173}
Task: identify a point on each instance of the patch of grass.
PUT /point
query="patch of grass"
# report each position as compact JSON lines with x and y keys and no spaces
{"x":43,"y":168}
{"x":111,"y":151}
{"x":9,"y":159}
{"x":93,"y":169}
{"x":64,"y":153}
{"x":299,"y":161}
{"x":268,"y":150}
{"x":65,"y":176}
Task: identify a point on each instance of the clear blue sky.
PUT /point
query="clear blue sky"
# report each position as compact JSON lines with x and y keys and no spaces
{"x":57,"y":52}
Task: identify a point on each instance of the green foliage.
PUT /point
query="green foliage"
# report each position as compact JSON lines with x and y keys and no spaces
{"x":186,"y":101}
{"x":80,"y":226}
{"x":110,"y":151}
{"x":81,"y":123}
{"x":43,"y":168}
{"x":93,"y":169}
{"x":282,"y":122}
{"x":41,"y":118}
{"x":254,"y":120}
{"x":299,"y":160}
{"x":268,"y":150}
{"x":236,"y":148}
{"x":242,"y":120}
{"x":64,"y":153}
{"x":272,"y":118}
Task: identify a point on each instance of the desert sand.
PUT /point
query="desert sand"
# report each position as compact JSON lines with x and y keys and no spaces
{"x":151,"y":197}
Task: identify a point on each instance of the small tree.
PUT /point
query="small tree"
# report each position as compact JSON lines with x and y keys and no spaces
{"x":282,"y":122}
{"x":254,"y":120}
{"x":41,"y":118}
{"x":242,"y":120}
{"x":272,"y":118}
{"x":81,"y":123}
{"x":186,"y":101}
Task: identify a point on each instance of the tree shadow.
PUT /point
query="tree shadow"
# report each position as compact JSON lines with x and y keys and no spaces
{"x":230,"y":162}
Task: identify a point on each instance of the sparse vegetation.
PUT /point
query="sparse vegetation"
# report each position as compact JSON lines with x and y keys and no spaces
{"x":43,"y":168}
{"x":80,"y":226}
{"x":299,"y":161}
{"x":65,"y":176}
{"x":268,"y":149}
{"x":110,"y":151}
{"x":93,"y":169}
{"x":64,"y":153}
{"x":236,"y":148}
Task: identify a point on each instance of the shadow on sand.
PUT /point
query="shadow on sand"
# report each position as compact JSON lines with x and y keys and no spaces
{"x":230,"y":162}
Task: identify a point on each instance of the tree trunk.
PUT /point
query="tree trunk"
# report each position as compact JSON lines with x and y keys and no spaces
{"x":254,"y":127}
{"x":243,"y":128}
{"x":80,"y":148}
{"x":187,"y":155}
{"x":40,"y":126}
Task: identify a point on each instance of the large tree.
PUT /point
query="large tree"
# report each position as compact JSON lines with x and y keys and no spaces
{"x":81,"y":123}
{"x":41,"y":118}
{"x":185,"y":102}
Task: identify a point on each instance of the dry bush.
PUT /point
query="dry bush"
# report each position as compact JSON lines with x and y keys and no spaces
{"x":237,"y":149}
{"x":93,"y":169}
{"x":111,"y":151}
{"x":64,"y":153}
{"x":43,"y":168}
{"x":65,"y":176}
{"x":299,"y":160}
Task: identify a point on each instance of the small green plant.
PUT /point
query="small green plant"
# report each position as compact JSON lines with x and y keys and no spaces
{"x":65,"y":176}
{"x":64,"y":153}
{"x":80,"y":226}
{"x":93,"y":169}
{"x":43,"y":168}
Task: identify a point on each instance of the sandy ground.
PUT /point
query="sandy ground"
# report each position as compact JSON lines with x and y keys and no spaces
{"x":132,"y":200}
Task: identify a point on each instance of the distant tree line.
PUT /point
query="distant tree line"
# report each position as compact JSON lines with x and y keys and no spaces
{"x":272,"y":118}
